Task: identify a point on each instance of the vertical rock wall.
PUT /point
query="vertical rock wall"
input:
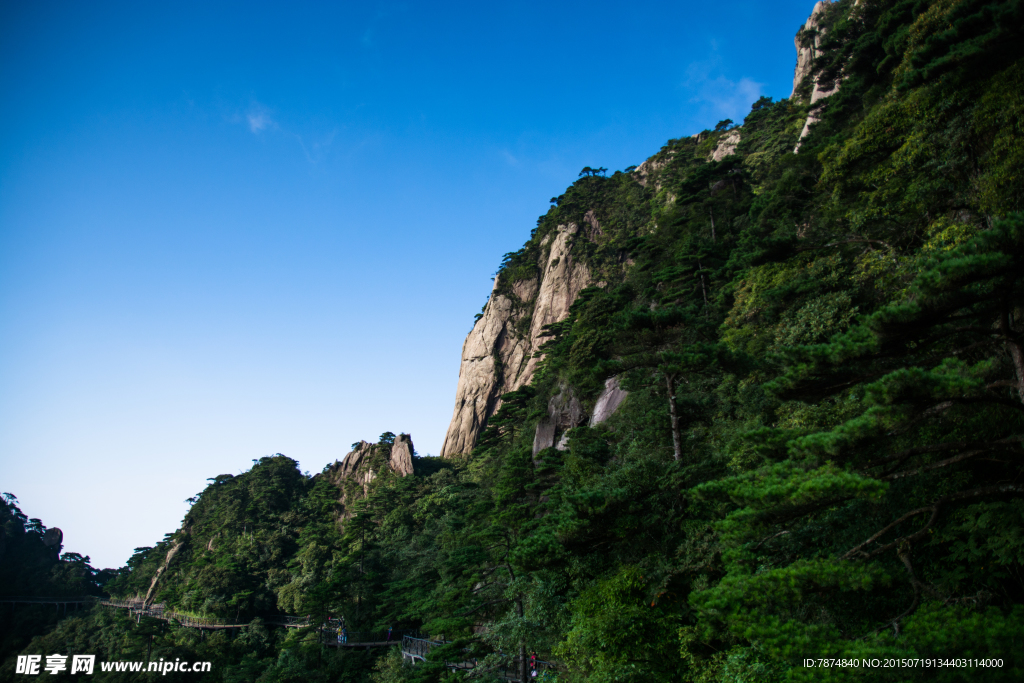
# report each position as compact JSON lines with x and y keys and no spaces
{"x":805,"y":56}
{"x":496,"y":358}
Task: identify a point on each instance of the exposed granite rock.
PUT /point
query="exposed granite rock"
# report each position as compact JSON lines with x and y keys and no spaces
{"x":805,"y":56}
{"x":353,"y":467}
{"x":53,"y":537}
{"x":544,"y":436}
{"x":565,"y":410}
{"x":593,"y":228}
{"x":151,"y":593}
{"x":401,"y":455}
{"x":495,"y":358}
{"x":476,"y":396}
{"x":726,"y":146}
{"x":563,"y":443}
{"x":358,"y":465}
{"x":650,"y":167}
{"x":525,"y":290}
{"x":608,"y":402}
{"x":564,"y":413}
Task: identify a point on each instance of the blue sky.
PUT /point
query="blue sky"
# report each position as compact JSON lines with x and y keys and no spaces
{"x":234,"y":229}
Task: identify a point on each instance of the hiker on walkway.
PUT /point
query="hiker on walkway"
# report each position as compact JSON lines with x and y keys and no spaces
{"x":344,"y":635}
{"x":389,"y":634}
{"x":341,"y":634}
{"x":533,"y":664}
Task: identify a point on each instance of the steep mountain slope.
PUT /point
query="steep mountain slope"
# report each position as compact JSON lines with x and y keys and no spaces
{"x":501,"y":353}
{"x":729,"y":411}
{"x":537,"y":286}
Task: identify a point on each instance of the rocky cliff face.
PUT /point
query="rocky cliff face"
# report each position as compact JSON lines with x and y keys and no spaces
{"x":806,"y":53}
{"x":151,"y":593}
{"x":726,"y":146}
{"x":496,"y":356}
{"x":500,"y":356}
{"x":365,"y":462}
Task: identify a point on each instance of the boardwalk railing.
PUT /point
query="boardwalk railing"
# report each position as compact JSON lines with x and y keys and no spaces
{"x":158,"y":611}
{"x":374,"y":638}
{"x":51,"y":600}
{"x":414,"y":648}
{"x":417,"y":649}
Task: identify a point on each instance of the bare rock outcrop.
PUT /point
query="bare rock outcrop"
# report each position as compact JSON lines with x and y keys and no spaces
{"x":544,"y":436}
{"x":151,"y":593}
{"x":649,"y":168}
{"x":608,"y":402}
{"x":401,"y":455}
{"x":805,"y":56}
{"x":364,"y":462}
{"x":564,"y":413}
{"x":496,"y":358}
{"x":726,"y":146}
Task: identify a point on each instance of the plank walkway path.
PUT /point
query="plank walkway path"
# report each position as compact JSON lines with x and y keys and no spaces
{"x":417,"y":649}
{"x":157,"y":611}
{"x":57,"y":601}
{"x":52,"y":600}
{"x":414,"y":649}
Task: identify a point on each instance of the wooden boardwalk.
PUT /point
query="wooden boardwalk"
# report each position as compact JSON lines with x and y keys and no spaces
{"x":418,"y":649}
{"x":414,"y":649}
{"x":51,"y":600}
{"x":157,"y":611}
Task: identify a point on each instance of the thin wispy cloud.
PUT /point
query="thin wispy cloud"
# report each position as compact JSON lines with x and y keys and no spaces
{"x":720,"y":96}
{"x":259,"y":119}
{"x":729,"y":98}
{"x":318,"y":148}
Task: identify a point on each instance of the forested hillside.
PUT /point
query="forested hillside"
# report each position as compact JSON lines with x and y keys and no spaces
{"x":32,"y":564}
{"x":820,"y":453}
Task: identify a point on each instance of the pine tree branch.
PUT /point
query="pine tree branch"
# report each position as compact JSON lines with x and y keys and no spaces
{"x":903,"y":552}
{"x":978,"y":447}
{"x":933,"y":466}
{"x":768,"y":538}
{"x":934,"y":508}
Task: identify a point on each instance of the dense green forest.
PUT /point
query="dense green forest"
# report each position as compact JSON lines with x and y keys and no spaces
{"x":820,"y":455}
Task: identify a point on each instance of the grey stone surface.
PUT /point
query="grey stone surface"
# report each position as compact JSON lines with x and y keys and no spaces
{"x":609,"y":401}
{"x":151,"y":593}
{"x":480,"y":386}
{"x":805,"y":62}
{"x":401,"y":455}
{"x":356,"y":465}
{"x":726,"y":145}
{"x":563,"y":442}
{"x":564,"y":413}
{"x":544,"y":436}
